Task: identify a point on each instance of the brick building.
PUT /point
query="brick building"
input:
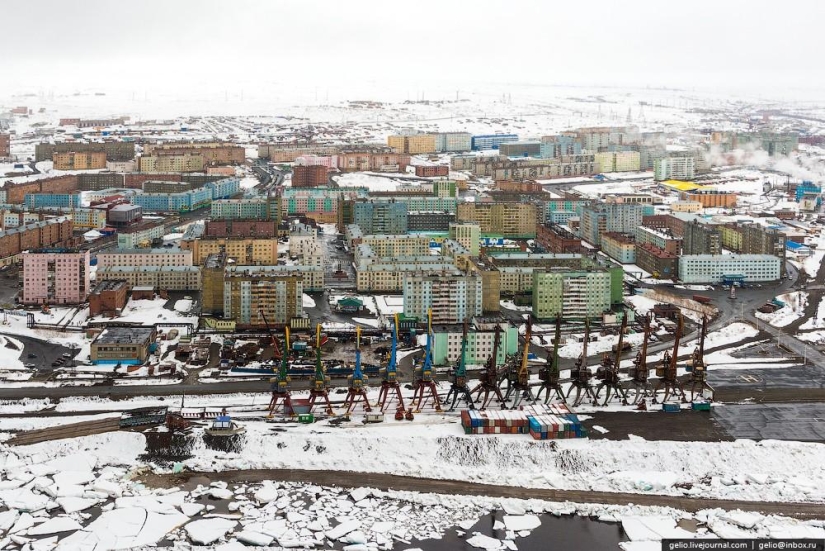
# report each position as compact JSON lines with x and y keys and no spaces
{"x":5,"y":145}
{"x":309,"y":176}
{"x":213,"y":153}
{"x":108,"y":298}
{"x":241,"y":228}
{"x":657,"y":262}
{"x":556,"y":239}
{"x":115,"y":151}
{"x":72,"y":160}
{"x":430,"y":171}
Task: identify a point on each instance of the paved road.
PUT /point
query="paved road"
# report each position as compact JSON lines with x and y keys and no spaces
{"x":802,"y":422}
{"x":385,"y":482}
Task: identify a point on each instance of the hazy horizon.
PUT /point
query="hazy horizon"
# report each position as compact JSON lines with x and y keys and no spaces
{"x":309,"y":45}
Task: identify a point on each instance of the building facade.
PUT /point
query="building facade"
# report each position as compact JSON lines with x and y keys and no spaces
{"x":705,"y":268}
{"x":89,"y":160}
{"x":167,"y":278}
{"x":621,"y":247}
{"x":383,"y":217}
{"x":55,"y":277}
{"x":171,"y":163}
{"x":511,"y":220}
{"x":573,"y":294}
{"x":453,"y":296}
{"x":309,"y":176}
{"x":145,"y":257}
{"x":659,"y":263}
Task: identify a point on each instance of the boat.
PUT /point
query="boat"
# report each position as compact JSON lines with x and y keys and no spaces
{"x":224,"y":434}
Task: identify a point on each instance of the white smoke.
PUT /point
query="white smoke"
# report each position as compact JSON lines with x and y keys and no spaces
{"x":801,"y":165}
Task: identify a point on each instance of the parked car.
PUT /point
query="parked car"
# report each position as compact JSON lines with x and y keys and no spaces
{"x":67,"y":355}
{"x":30,"y":355}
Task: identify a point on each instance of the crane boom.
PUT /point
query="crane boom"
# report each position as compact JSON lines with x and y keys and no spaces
{"x":554,"y":365}
{"x":357,"y":374}
{"x":461,"y":370}
{"x":523,"y":371}
{"x":621,"y":342}
{"x":276,"y":350}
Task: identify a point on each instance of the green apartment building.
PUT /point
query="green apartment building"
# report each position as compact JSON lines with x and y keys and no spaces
{"x":576,"y":294}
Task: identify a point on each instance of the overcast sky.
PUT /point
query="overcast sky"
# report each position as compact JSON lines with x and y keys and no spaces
{"x":185,"y":43}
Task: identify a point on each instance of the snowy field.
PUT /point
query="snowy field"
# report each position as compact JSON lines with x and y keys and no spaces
{"x":793,"y":310}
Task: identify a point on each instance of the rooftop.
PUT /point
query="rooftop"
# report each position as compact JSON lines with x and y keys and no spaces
{"x":125,"y":335}
{"x":110,"y":285}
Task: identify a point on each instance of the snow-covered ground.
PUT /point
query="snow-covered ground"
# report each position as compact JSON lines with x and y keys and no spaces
{"x":793,"y":310}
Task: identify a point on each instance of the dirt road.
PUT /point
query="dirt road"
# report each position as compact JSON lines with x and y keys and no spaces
{"x":380,"y":481}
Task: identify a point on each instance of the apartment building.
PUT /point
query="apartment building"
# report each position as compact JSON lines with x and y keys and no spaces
{"x":453,"y":141}
{"x":72,"y":160}
{"x":359,"y":161}
{"x":252,"y":298}
{"x":432,"y":171}
{"x":706,"y":268}
{"x":618,"y":161}
{"x":557,"y":239}
{"x":468,"y":234}
{"x":412,"y":144}
{"x":328,"y":161}
{"x":491,"y":141}
{"x":171,"y":163}
{"x":575,"y":294}
{"x":531,"y":169}
{"x":140,"y":237}
{"x":279,"y":153}
{"x":54,"y":232}
{"x":701,"y":238}
{"x":381,"y":217}
{"x":515,"y":280}
{"x":312,"y":277}
{"x":5,"y":145}
{"x":621,"y":247}
{"x":246,"y":209}
{"x":241,"y":228}
{"x":213,"y":153}
{"x":55,"y":277}
{"x":674,"y":167}
{"x":386,"y":275}
{"x":447,"y":343}
{"x":520,"y":149}
{"x":115,"y":151}
{"x":659,"y":263}
{"x":167,"y":278}
{"x":662,"y":238}
{"x":35,"y":201}
{"x":453,"y":296}
{"x":185,"y":201}
{"x":320,"y":204}
{"x":429,"y":221}
{"x":510,"y":220}
{"x":247,"y":251}
{"x":145,"y":257}
{"x":309,"y":176}
{"x":599,"y":218}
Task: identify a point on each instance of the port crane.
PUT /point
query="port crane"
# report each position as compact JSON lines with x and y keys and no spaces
{"x":580,"y":375}
{"x":639,"y":380}
{"x":488,"y":380}
{"x":699,"y":373}
{"x":669,"y":381}
{"x":276,"y":349}
{"x":389,"y":376}
{"x":423,"y":380}
{"x":549,"y":374}
{"x":521,"y":384}
{"x":458,"y":387}
{"x":608,"y":372}
{"x":280,"y":383}
{"x":356,"y":383}
{"x":320,"y":386}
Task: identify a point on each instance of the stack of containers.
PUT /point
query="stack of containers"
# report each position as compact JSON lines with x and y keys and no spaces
{"x":556,"y":421}
{"x":541,"y":421}
{"x":494,"y":422}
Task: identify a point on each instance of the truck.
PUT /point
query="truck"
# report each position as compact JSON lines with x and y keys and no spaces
{"x":702,"y":299}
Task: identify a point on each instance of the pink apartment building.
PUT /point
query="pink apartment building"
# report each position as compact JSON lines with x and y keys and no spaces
{"x":55,"y":278}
